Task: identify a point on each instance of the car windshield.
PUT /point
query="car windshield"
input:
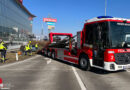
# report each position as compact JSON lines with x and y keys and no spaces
{"x":119,"y":34}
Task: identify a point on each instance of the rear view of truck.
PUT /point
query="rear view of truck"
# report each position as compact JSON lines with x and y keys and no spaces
{"x":57,"y":41}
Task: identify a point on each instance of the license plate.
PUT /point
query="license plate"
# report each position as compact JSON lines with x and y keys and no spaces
{"x":126,"y":67}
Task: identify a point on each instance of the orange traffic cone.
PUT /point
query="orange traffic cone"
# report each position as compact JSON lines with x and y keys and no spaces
{"x":19,"y":52}
{"x":1,"y":83}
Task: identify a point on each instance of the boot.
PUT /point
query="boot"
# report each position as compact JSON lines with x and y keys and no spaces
{"x":3,"y":60}
{"x":30,"y":54}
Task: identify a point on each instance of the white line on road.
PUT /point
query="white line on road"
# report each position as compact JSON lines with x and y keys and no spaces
{"x":128,"y":70}
{"x":46,"y":58}
{"x":79,"y":79}
{"x":4,"y":88}
{"x":49,"y":61}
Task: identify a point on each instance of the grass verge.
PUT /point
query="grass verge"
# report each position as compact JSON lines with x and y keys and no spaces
{"x":11,"y":57}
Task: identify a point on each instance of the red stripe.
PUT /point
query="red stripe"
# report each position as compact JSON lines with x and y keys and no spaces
{"x":71,"y":60}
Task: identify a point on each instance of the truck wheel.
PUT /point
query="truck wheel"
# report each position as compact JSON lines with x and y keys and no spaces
{"x":53,"y":55}
{"x":45,"y":52}
{"x":49,"y":54}
{"x":84,"y":63}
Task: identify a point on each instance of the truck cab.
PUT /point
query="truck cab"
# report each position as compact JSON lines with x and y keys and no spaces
{"x":106,"y":42}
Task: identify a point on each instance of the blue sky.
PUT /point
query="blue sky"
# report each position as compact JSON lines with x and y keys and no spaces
{"x":71,"y":14}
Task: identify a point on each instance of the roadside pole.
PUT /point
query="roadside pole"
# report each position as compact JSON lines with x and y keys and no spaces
{"x":17,"y":57}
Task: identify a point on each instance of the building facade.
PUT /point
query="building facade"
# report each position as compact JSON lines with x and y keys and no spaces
{"x":15,"y":21}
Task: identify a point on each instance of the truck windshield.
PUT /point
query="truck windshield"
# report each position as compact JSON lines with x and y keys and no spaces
{"x":120,"y":34}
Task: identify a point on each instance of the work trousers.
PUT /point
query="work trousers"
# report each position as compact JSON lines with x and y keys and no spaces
{"x":36,"y":48}
{"x":3,"y":54}
{"x":29,"y":51}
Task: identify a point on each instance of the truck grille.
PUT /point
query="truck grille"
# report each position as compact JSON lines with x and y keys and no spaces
{"x":122,"y":58}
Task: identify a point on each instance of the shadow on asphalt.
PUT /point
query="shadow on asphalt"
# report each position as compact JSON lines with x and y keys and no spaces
{"x":103,"y":72}
{"x":93,"y":70}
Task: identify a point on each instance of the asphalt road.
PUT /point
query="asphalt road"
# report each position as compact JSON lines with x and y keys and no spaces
{"x":42,"y":73}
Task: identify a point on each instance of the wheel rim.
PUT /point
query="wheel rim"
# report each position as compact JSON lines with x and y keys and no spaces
{"x":53,"y":55}
{"x":45,"y":52}
{"x":48,"y":53}
{"x":83,"y":62}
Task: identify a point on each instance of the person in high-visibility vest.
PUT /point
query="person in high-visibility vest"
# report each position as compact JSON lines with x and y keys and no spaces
{"x":36,"y":46}
{"x":3,"y":49}
{"x":22,"y":47}
{"x":28,"y":48}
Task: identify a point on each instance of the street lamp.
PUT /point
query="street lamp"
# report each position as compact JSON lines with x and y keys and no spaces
{"x":40,"y":22}
{"x":42,"y":35}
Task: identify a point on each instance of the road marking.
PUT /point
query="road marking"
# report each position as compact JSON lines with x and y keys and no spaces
{"x":46,"y":58}
{"x":18,"y":69}
{"x":128,"y":70}
{"x":49,"y":61}
{"x":79,"y":79}
{"x":19,"y":62}
{"x":4,"y":88}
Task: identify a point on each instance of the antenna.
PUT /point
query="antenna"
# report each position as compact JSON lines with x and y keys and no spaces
{"x":105,"y":7}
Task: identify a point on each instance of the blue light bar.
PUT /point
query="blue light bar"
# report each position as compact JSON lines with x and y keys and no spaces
{"x":104,"y":17}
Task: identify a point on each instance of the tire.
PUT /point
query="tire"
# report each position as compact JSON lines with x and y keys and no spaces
{"x":84,"y":63}
{"x":48,"y":53}
{"x":45,"y":53}
{"x":53,"y":55}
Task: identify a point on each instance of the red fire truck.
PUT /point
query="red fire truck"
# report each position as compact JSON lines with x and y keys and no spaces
{"x":103,"y":43}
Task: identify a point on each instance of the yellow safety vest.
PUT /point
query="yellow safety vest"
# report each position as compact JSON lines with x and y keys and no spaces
{"x":30,"y":46}
{"x":27,"y":47}
{"x":2,"y":46}
{"x":36,"y":45}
